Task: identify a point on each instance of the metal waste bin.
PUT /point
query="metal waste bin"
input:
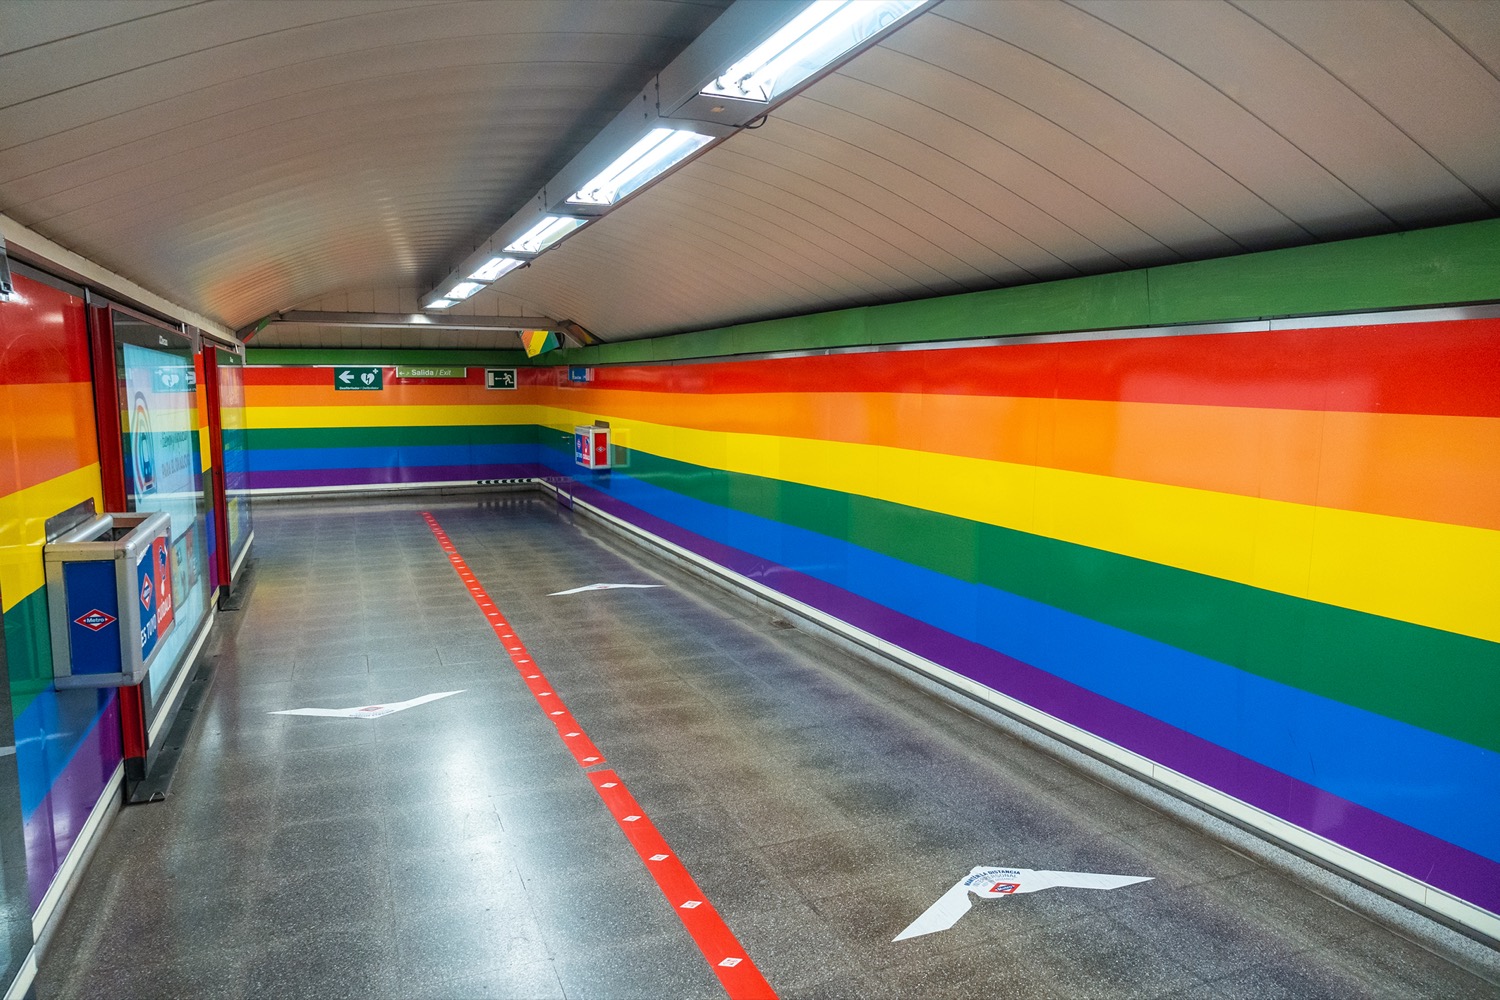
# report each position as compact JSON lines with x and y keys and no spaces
{"x":591,"y":446}
{"x":109,"y":598}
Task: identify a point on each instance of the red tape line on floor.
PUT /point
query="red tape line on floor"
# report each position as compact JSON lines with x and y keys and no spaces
{"x":723,"y":951}
{"x":726,"y":956}
{"x":573,"y":736}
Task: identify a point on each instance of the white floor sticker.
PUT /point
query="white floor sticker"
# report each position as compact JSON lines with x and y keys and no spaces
{"x":608,"y":586}
{"x":992,"y":883}
{"x":367,"y":711}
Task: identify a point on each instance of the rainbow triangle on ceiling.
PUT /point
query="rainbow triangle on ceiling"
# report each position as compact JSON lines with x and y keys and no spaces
{"x":538,"y":341}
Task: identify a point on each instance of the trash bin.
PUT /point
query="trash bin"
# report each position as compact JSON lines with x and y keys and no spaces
{"x":109,"y":598}
{"x":591,"y":446}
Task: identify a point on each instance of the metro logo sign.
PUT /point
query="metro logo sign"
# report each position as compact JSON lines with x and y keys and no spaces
{"x":95,"y":620}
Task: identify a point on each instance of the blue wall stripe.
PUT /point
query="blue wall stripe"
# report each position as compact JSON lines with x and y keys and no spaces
{"x":1442,"y":786}
{"x":48,"y":734}
{"x":389,"y":457}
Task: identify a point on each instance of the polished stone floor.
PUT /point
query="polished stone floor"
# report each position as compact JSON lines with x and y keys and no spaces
{"x":456,"y":849}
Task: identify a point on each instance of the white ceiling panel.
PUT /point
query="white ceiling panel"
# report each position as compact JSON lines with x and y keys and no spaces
{"x":244,"y":158}
{"x":45,"y":23}
{"x":995,"y":134}
{"x":1304,"y":104}
{"x":991,"y":178}
{"x":1409,"y":70}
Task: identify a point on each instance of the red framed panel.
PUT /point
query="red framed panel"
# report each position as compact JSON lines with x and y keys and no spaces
{"x":209,"y":352}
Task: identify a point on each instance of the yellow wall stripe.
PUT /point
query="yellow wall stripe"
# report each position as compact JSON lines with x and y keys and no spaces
{"x":1448,"y":577}
{"x":23,"y":520}
{"x":283,"y":417}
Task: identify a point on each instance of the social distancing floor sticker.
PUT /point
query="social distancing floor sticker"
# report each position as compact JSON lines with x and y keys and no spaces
{"x":998,"y":883}
{"x":607,"y":586}
{"x":367,"y":711}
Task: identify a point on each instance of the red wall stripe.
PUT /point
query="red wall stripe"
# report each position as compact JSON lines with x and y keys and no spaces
{"x":1438,"y":368}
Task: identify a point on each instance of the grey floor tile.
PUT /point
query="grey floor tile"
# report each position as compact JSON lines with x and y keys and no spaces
{"x":465,"y":939}
{"x":644,"y":968}
{"x":532,"y":980}
{"x":334,"y":962}
{"x":458,"y":850}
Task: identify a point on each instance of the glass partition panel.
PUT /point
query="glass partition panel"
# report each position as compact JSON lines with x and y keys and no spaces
{"x":231,"y":371}
{"x":164,"y":472}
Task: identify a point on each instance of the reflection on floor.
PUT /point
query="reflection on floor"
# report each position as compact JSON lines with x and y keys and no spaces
{"x":457,"y":849}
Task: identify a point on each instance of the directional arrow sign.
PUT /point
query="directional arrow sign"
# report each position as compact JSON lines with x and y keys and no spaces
{"x":366,"y":711}
{"x":365,"y":377}
{"x":992,"y":883}
{"x":607,"y":586}
{"x":499,"y":378}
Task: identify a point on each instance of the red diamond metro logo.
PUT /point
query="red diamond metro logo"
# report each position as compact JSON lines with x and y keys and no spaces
{"x":95,"y":620}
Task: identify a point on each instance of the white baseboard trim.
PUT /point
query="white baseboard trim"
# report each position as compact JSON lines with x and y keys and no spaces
{"x":239,"y":563}
{"x":25,"y":976}
{"x":190,"y":662}
{"x":272,"y":493}
{"x":1426,"y":899}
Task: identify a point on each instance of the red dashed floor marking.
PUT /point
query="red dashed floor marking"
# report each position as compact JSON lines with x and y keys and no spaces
{"x":721,"y":949}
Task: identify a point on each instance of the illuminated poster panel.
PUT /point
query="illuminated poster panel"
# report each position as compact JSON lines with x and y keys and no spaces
{"x":164,"y":472}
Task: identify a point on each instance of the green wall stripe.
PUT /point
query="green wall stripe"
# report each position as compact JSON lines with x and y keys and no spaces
{"x":267,"y":439}
{"x":1449,"y":265}
{"x":378,"y":356}
{"x":1442,"y":266}
{"x":28,"y":650}
{"x":1439,"y":681}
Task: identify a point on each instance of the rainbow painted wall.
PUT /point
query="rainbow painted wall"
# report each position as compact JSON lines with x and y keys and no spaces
{"x":67,"y":742}
{"x":1269,"y":561}
{"x":1265,"y":560}
{"x":303,"y":434}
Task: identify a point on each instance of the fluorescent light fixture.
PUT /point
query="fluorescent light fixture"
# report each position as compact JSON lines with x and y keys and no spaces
{"x":462,"y":290}
{"x":545,"y":233}
{"x":495,"y":267}
{"x":824,"y":31}
{"x":661,"y":149}
{"x":441,"y":304}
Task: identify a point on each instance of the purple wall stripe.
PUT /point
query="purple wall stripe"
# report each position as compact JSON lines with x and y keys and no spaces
{"x":1378,"y":837}
{"x":54,"y":826}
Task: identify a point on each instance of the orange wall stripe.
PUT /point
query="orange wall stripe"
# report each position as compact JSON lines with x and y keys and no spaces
{"x":60,"y":434}
{"x":1424,"y":467}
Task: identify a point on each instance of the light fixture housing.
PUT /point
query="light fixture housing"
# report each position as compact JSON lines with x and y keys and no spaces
{"x":496,"y":267}
{"x":462,"y":290}
{"x":659,"y":151}
{"x":808,"y":43}
{"x":441,"y":304}
{"x":545,"y":233}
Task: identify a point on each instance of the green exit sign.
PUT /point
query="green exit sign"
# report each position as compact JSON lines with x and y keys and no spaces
{"x":370,"y":377}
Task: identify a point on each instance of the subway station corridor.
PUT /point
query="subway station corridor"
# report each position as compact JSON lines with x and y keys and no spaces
{"x":459,"y":848}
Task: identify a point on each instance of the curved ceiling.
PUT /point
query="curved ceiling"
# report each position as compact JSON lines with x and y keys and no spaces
{"x":245,"y":158}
